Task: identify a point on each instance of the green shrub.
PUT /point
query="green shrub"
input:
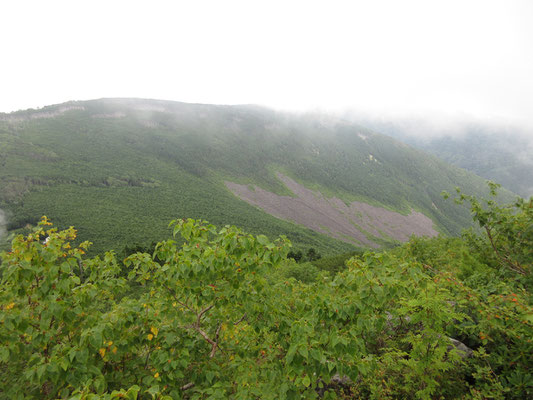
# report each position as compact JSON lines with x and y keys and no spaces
{"x":214,"y":315}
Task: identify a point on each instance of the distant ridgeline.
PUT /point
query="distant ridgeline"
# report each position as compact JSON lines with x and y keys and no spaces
{"x":120,"y":169}
{"x":501,"y":153}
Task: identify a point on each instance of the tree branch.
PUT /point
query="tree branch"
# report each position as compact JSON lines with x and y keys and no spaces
{"x":204,"y":335}
{"x":187,"y":386}
{"x":215,"y":344}
{"x":240,"y":320}
{"x":178,"y":301}
{"x":516,"y":268}
{"x":201,"y":313}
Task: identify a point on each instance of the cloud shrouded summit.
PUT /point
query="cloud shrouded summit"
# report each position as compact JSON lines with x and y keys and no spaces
{"x":454,"y":56}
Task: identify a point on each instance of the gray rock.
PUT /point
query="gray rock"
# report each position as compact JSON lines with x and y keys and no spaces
{"x":462,"y":349}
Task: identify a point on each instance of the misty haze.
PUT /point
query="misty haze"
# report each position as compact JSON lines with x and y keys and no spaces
{"x":266,"y":200}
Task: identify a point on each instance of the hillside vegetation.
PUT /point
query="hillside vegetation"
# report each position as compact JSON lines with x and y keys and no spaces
{"x":501,"y":153}
{"x":506,"y":159}
{"x":120,"y":169}
{"x":217,"y":317}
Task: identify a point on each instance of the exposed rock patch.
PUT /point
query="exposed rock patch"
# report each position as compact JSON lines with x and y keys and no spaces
{"x":462,"y":349}
{"x":331,"y":216}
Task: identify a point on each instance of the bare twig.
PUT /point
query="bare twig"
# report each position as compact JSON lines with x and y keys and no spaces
{"x":204,"y":335}
{"x":215,"y":345}
{"x":516,"y":268}
{"x":181,"y":303}
{"x":217,"y":332}
{"x":201,"y":313}
{"x":187,"y":386}
{"x":240,"y":320}
{"x":197,"y":327}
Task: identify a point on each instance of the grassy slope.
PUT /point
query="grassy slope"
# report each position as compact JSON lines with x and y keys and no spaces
{"x":120,"y":180}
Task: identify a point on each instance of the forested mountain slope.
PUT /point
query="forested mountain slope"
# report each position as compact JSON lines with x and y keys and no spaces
{"x":120,"y":169}
{"x":501,"y":153}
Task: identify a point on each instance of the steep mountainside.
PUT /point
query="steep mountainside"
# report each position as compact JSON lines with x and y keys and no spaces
{"x":120,"y":169}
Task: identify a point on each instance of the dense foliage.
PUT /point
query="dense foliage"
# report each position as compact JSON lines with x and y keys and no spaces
{"x":216,"y":318}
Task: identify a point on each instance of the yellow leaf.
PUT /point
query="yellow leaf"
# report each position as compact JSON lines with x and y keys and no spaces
{"x":150,"y":336}
{"x":154,"y":330}
{"x":114,"y":350}
{"x":102,"y":352}
{"x":156,"y":375}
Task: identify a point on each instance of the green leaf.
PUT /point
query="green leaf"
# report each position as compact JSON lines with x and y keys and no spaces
{"x":63,"y":363}
{"x":40,"y":371}
{"x":4,"y":354}
{"x":303,"y":351}
{"x":262,"y":239}
{"x":290,"y":353}
{"x":133,"y":392}
{"x":153,"y":391}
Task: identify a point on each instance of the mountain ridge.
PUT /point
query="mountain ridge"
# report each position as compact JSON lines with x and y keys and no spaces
{"x":116,"y":168}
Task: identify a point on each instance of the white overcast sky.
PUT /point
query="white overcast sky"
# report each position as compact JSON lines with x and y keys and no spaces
{"x":466,"y":56}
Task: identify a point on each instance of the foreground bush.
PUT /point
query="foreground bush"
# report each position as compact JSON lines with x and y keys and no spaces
{"x":201,"y":320}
